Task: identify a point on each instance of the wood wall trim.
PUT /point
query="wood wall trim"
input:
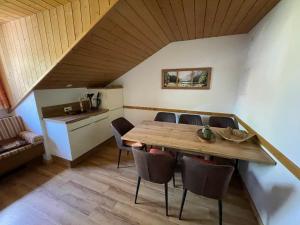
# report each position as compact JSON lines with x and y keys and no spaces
{"x":178,"y":111}
{"x":290,"y":165}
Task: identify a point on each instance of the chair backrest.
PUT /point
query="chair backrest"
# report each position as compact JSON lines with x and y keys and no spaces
{"x":120,"y":127}
{"x":165,"y":117}
{"x":190,"y":119}
{"x":10,"y":127}
{"x":205,"y":179}
{"x":156,"y":168}
{"x":222,"y":122}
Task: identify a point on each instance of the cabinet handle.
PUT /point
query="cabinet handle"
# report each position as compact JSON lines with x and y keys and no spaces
{"x":100,"y":120}
{"x":88,"y":124}
{"x":81,"y":127}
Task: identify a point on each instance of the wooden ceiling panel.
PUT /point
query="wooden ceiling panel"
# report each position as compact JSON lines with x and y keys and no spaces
{"x":126,"y":33}
{"x":135,"y":29}
{"x":14,"y":9}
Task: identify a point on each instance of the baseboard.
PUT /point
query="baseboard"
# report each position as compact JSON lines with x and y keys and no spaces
{"x":252,"y":204}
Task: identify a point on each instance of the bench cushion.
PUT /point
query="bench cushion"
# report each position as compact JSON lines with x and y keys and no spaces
{"x":15,"y":151}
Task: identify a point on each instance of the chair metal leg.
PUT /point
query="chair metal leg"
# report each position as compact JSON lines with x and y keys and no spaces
{"x":166,"y":198}
{"x":182,"y":202}
{"x":220,"y":211}
{"x":174,"y":180}
{"x":137,"y":189}
{"x":236,"y":165}
{"x":119,"y":158}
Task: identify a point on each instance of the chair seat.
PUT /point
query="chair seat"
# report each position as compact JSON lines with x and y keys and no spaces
{"x":156,"y":151}
{"x":133,"y":144}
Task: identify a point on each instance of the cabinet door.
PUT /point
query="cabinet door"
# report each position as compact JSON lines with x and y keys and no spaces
{"x":112,"y":98}
{"x":87,"y":137}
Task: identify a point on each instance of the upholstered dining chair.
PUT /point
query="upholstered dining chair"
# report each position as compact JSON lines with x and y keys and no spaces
{"x":222,"y":122}
{"x":120,"y":127}
{"x":155,"y":166}
{"x":205,"y":178}
{"x":165,"y":117}
{"x":190,"y":119}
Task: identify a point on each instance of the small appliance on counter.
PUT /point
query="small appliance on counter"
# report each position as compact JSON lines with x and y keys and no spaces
{"x":94,"y":102}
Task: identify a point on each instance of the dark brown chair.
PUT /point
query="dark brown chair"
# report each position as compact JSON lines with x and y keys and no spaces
{"x":120,"y":127}
{"x":157,"y":167}
{"x":190,"y":119}
{"x":222,"y":122}
{"x":206,"y":179}
{"x":165,"y":117}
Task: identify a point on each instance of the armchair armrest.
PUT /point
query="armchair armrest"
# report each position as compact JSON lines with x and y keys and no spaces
{"x":31,"y":137}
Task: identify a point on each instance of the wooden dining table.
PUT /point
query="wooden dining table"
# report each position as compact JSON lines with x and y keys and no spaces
{"x":183,"y":138}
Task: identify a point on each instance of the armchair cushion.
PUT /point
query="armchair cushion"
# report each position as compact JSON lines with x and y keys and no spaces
{"x":31,"y":137}
{"x":12,"y":143}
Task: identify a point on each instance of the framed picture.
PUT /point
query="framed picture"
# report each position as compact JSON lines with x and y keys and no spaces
{"x":189,"y":78}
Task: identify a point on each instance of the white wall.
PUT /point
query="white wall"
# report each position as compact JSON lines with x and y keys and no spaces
{"x":27,"y":109}
{"x":30,"y":108}
{"x":142,"y":84}
{"x":268,"y":100}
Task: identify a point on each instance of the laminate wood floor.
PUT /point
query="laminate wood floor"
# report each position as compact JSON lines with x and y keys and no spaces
{"x":96,"y":192}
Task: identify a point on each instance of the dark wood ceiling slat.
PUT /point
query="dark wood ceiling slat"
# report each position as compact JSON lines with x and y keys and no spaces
{"x":141,"y":9}
{"x":189,"y":13}
{"x":255,"y":17}
{"x":166,"y":9}
{"x":158,"y":15}
{"x":230,"y":16}
{"x":220,"y":16}
{"x":210,"y":14}
{"x":178,"y":11}
{"x":242,"y":14}
{"x":126,"y":11}
{"x":200,"y":8}
{"x":122,"y":22}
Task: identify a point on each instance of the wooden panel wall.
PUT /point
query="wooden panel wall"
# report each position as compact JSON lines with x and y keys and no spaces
{"x":31,"y":45}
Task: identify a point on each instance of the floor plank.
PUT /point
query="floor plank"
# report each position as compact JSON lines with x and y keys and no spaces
{"x":96,"y":192}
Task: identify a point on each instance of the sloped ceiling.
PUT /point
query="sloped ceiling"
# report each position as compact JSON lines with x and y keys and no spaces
{"x":133,"y":30}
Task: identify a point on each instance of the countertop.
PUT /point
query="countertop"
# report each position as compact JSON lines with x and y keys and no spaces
{"x":74,"y":118}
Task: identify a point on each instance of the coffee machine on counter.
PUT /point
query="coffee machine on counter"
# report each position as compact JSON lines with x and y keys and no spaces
{"x":93,"y":100}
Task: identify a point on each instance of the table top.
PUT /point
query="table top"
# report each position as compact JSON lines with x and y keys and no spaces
{"x":184,"y":138}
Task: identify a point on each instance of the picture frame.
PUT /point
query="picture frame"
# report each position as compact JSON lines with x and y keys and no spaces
{"x":186,"y":78}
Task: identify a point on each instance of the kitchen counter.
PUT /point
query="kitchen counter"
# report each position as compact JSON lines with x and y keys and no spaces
{"x":75,"y":118}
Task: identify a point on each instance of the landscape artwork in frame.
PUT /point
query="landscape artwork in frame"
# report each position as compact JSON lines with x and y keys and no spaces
{"x":191,"y":78}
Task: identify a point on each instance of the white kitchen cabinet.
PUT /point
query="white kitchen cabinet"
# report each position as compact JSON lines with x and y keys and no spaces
{"x":71,"y":140}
